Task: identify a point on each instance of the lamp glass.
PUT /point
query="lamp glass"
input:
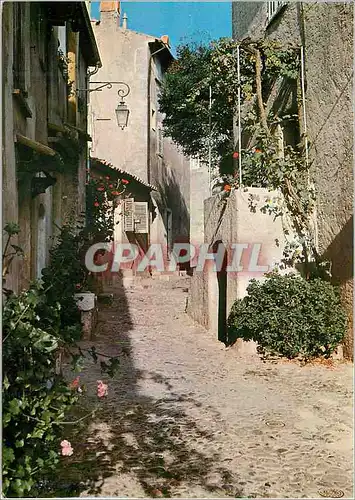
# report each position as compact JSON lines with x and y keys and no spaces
{"x":122,"y":113}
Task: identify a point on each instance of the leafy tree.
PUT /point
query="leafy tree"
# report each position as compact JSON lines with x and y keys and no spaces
{"x":185,"y":96}
{"x":185,"y":99}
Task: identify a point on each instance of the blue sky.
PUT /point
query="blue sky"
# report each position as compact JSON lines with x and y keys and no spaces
{"x":182,"y":21}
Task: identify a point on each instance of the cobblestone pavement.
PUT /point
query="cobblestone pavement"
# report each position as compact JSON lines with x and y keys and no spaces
{"x":186,"y":418}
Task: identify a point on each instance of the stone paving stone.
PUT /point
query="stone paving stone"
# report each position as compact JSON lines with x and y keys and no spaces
{"x":186,"y":418}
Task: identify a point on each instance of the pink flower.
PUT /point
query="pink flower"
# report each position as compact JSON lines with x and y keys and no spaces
{"x":75,"y":383}
{"x":67,"y":449}
{"x":102,"y":389}
{"x":124,"y":181}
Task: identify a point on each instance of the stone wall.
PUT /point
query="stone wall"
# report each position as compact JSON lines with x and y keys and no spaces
{"x":326,"y":32}
{"x":231,"y":223}
{"x":136,"y":149}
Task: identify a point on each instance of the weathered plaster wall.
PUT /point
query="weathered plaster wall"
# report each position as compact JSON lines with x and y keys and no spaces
{"x":9,"y":204}
{"x":128,"y":149}
{"x":235,"y":223}
{"x":173,"y":182}
{"x":329,"y":70}
{"x":46,"y":89}
{"x":245,"y":17}
{"x":124,"y":55}
{"x":199,"y":191}
{"x":326,"y":32}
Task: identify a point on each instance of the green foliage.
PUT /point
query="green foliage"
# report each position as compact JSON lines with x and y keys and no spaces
{"x":36,"y":324}
{"x":102,"y":196}
{"x":185,"y":92}
{"x":34,"y":397}
{"x":289,"y":316}
{"x":64,"y":277}
{"x":185,"y":101}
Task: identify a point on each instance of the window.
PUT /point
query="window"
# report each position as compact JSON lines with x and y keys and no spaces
{"x":160,"y":140}
{"x":141,"y":217}
{"x":273,"y":8}
{"x":194,"y":163}
{"x":154,"y":119}
{"x":136,"y":216}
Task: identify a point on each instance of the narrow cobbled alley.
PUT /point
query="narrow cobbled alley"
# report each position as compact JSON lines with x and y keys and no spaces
{"x":184,"y":417}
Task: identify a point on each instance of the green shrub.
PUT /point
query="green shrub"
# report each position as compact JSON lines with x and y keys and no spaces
{"x":289,"y":316}
{"x":62,"y":279}
{"x":34,"y":398}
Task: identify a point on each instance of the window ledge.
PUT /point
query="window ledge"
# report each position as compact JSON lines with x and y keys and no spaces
{"x":21,"y":98}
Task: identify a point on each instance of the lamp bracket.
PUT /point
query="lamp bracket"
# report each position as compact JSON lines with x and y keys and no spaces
{"x":123,"y":92}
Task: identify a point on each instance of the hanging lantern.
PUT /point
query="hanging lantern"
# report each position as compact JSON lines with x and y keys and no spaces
{"x":122,"y":114}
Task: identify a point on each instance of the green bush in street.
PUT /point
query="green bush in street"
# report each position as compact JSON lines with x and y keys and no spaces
{"x":289,"y":316}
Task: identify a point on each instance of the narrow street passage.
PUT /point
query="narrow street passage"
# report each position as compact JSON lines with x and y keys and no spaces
{"x":186,"y":417}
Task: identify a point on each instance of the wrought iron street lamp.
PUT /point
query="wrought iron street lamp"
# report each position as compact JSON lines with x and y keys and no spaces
{"x":122,"y":114}
{"x":122,"y":111}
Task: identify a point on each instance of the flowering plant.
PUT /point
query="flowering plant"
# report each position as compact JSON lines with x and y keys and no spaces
{"x":225,"y":184}
{"x":102,"y":197}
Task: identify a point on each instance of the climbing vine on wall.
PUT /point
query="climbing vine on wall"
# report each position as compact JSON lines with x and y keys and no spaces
{"x":196,"y":123}
{"x":102,"y":197}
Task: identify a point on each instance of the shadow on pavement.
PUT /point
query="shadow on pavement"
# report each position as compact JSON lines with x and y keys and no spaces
{"x":152,"y":440}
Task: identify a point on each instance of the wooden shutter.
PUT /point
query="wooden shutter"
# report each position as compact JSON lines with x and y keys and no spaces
{"x":141,"y":217}
{"x":128,"y":215}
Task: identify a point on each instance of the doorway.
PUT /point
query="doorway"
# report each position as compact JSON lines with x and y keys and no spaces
{"x":169,"y":231}
{"x":222,"y":295}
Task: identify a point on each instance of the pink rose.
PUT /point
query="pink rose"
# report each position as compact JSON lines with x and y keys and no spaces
{"x":102,"y":389}
{"x":75,"y":383}
{"x":67,"y":449}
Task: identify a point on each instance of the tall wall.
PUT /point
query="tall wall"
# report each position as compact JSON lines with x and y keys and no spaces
{"x":35,"y":105}
{"x":234,"y":223}
{"x":326,"y":32}
{"x":126,"y":56}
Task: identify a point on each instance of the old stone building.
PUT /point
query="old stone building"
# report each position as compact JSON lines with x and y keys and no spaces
{"x":325,"y":31}
{"x":139,"y":62}
{"x":47,"y":48}
{"x":323,"y":34}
